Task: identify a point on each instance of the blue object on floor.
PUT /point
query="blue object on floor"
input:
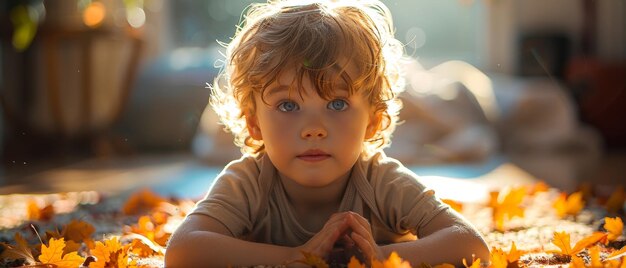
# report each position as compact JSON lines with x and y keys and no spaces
{"x":195,"y":180}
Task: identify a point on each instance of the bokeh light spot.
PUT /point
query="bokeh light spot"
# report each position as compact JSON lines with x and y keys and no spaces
{"x":94,"y":14}
{"x":136,"y":17}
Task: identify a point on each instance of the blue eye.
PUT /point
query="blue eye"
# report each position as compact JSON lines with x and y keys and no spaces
{"x":288,"y":106}
{"x":337,"y":105}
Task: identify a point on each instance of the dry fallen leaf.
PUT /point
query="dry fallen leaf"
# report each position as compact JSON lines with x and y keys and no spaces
{"x":21,"y":251}
{"x":142,"y":200}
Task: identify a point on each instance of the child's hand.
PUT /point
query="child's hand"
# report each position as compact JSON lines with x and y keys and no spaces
{"x":362,"y":236}
{"x":321,"y":244}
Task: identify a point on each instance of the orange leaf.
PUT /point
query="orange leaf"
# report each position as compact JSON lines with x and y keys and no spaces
{"x":562,"y":240}
{"x":577,"y":262}
{"x":393,"y":261}
{"x":36,"y":213}
{"x":569,"y":205}
{"x":514,"y":254}
{"x":78,"y":231}
{"x":615,"y":226}
{"x":498,"y":258}
{"x":507,"y":206}
{"x":102,"y":254}
{"x":144,"y":199}
{"x":589,"y":241}
{"x":355,"y":263}
{"x":594,"y":253}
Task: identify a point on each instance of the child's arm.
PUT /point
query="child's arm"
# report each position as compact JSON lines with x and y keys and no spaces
{"x":202,"y":241}
{"x":448,"y":238}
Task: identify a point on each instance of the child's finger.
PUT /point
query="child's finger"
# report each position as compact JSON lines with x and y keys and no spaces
{"x":370,"y":250}
{"x":360,"y":225}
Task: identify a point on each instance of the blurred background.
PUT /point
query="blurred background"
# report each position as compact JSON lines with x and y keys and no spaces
{"x":98,"y":89}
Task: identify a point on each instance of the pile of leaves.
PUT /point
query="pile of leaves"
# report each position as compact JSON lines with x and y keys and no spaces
{"x":527,"y":226}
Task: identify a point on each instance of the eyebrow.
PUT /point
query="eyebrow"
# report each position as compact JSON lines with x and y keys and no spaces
{"x":277,"y":89}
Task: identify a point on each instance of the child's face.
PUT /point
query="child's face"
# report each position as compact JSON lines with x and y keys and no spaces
{"x":311,"y":141}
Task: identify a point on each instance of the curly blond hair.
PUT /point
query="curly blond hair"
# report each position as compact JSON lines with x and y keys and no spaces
{"x":314,"y":37}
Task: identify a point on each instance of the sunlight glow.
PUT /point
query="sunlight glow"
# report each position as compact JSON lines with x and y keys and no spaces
{"x":136,"y":17}
{"x":475,"y":81}
{"x":94,"y":14}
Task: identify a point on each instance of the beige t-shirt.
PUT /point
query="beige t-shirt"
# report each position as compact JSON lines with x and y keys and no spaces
{"x":249,"y":199}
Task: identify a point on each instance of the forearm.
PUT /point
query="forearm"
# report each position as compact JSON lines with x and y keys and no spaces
{"x":207,"y":249}
{"x":448,"y":245}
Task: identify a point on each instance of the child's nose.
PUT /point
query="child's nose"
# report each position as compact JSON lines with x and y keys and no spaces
{"x":314,"y":132}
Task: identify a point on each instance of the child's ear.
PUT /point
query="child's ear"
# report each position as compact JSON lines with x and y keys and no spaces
{"x":253,"y":127}
{"x":373,"y":125}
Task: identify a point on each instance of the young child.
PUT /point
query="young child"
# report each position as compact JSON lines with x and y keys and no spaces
{"x":309,"y":91}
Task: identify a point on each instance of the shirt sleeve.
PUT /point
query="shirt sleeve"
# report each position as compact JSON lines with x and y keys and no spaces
{"x":234,"y":197}
{"x":403,"y":201}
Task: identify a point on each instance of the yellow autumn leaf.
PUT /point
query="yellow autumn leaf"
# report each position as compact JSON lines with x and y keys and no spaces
{"x":594,"y":254}
{"x":589,"y":241}
{"x":514,"y":254}
{"x":614,"y":226}
{"x":53,"y":254}
{"x":393,"y":261}
{"x":506,"y":206}
{"x":102,"y":254}
{"x":498,"y":258}
{"x":106,"y":253}
{"x":562,"y":241}
{"x":569,"y":205}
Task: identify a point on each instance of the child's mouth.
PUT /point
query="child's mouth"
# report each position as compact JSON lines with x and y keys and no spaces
{"x":313,"y":156}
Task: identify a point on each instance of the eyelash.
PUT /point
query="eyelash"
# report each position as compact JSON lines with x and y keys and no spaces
{"x":281,"y":106}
